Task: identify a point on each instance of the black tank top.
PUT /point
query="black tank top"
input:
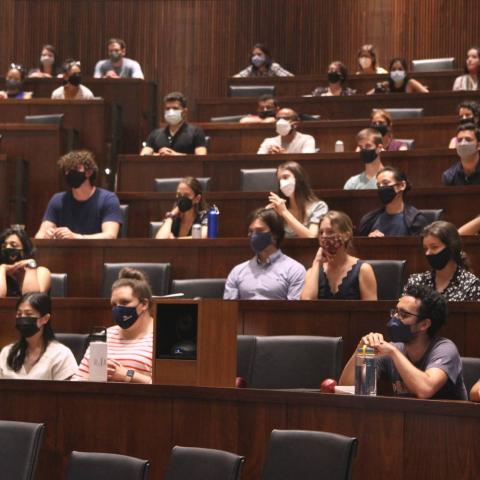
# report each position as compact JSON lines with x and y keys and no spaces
{"x":349,"y":288}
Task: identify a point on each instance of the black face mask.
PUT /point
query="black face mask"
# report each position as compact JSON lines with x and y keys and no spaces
{"x":11,"y":255}
{"x":27,"y":326}
{"x":14,"y":85}
{"x":75,"y":79}
{"x":368,"y":155}
{"x":266,"y":113}
{"x":184,"y":204}
{"x":465,"y":120}
{"x":438,"y":260}
{"x":398,"y":331}
{"x":124,"y":316}
{"x":380,"y":127}
{"x":75,"y":178}
{"x":386,"y":194}
{"x":334,"y":77}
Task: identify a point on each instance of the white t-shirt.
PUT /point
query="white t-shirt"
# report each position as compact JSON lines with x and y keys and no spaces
{"x":56,"y":363}
{"x":83,"y":93}
{"x":301,"y":143}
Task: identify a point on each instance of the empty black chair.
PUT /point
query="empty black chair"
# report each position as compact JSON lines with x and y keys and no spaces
{"x":258,"y":180}
{"x":51,"y":119}
{"x":433,"y":64}
{"x":228,"y":119}
{"x":295,"y":454}
{"x":59,"y":285}
{"x":158,"y":275}
{"x":471,"y":371}
{"x":153,"y":228}
{"x":76,"y":342}
{"x":199,"y":287}
{"x":295,"y":361}
{"x":432,"y":215}
{"x":308,"y":117}
{"x":409,"y":142}
{"x":390,"y":275}
{"x":106,"y":466}
{"x":165,"y":185}
{"x":397,"y":113}
{"x":203,"y":464}
{"x":19,"y":446}
{"x":250,"y":90}
{"x":246,"y":345}
{"x":124,"y":226}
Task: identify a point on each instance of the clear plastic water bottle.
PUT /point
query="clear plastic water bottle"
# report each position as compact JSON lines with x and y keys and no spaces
{"x":339,"y":146}
{"x":97,"y":371}
{"x":196,"y":230}
{"x":212,"y":216}
{"x":365,"y":371}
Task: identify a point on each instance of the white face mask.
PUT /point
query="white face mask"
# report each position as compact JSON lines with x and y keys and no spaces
{"x":466,"y":149}
{"x":287,"y":186}
{"x":398,"y":75}
{"x":46,"y":60}
{"x":365,"y":62}
{"x":283,"y":127}
{"x":173,"y":116}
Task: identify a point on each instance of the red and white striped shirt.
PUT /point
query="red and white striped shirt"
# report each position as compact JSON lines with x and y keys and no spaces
{"x":132,"y":354}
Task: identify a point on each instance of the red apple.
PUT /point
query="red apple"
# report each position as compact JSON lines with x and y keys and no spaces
{"x":328,"y":385}
{"x":240,"y":382}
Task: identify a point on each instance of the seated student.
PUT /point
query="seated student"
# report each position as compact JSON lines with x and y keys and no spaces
{"x":382,"y":121}
{"x":369,"y":144}
{"x":189,"y":209}
{"x":469,"y":81}
{"x":117,"y":65}
{"x":468,"y":111}
{"x":335,"y":274}
{"x":475,"y":392}
{"x":72,"y":88}
{"x":470,"y":228}
{"x":262,"y":65}
{"x":396,"y":217}
{"x":49,"y":64}
{"x":296,"y":203}
{"x":450,"y":274}
{"x":267,"y":108}
{"x":289,"y":139}
{"x":367,"y":61}
{"x":417,"y":362}
{"x":36,"y":355}
{"x":179,"y":137}
{"x":85,"y":211}
{"x":19,"y":272}
{"x":337,"y":78}
{"x":270,"y":274}
{"x":466,"y":171}
{"x":130,"y":340}
{"x":399,"y":81}
{"x":14,"y":79}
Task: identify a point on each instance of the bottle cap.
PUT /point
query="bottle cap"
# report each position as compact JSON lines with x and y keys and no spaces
{"x":365,"y":350}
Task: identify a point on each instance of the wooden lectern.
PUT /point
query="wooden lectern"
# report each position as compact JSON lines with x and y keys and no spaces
{"x":195,"y":342}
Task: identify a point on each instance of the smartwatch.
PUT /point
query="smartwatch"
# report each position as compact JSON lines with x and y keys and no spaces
{"x":31,"y":264}
{"x":130,"y":373}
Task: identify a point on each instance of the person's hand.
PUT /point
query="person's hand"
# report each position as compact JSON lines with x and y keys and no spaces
{"x":377,"y":341}
{"x":3,"y":95}
{"x":20,"y":265}
{"x":376,"y":233}
{"x":166,"y":151}
{"x":275,"y":149}
{"x":175,"y":212}
{"x":64,"y":233}
{"x":323,"y":256}
{"x":116,"y":372}
{"x":111,"y":74}
{"x":277,"y":203}
{"x":50,"y":233}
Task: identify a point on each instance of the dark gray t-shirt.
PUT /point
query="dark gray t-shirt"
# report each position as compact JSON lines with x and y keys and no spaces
{"x":391,"y":225}
{"x":442,"y":354}
{"x":129,"y":69}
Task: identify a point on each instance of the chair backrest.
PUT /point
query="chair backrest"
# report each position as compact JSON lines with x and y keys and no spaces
{"x":203,"y":464}
{"x":106,"y":466}
{"x":295,"y":361}
{"x":166,"y":185}
{"x":433,"y":64}
{"x":246,"y":345}
{"x":397,"y":113}
{"x":124,"y":226}
{"x":59,"y":285}
{"x":76,"y":342}
{"x":250,"y":90}
{"x":258,"y":180}
{"x":51,"y":119}
{"x":158,"y":275}
{"x":227,"y":119}
{"x":471,"y":371}
{"x":409,"y":142}
{"x":390,"y":275}
{"x":199,"y":287}
{"x":309,"y":117}
{"x":295,"y":454}
{"x":19,"y":446}
{"x":432,"y":215}
{"x":153,"y":228}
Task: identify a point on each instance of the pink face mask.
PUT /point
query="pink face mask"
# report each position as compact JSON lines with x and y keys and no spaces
{"x":331,"y":244}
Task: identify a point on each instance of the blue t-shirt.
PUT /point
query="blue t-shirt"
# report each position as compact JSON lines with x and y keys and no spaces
{"x":84,"y":217}
{"x":391,"y":225}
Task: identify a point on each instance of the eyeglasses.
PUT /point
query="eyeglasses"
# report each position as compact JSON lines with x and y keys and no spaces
{"x":402,"y":314}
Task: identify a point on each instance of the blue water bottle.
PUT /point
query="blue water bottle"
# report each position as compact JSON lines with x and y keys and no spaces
{"x":212,"y":217}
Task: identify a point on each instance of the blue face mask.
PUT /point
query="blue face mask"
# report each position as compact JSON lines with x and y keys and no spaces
{"x":398,"y":331}
{"x":259,"y":241}
{"x":123,"y":316}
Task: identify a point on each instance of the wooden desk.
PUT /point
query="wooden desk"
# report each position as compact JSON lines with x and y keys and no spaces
{"x":423,"y":168}
{"x":398,"y":438}
{"x":5,"y":190}
{"x":305,"y":84}
{"x":83,"y":259}
{"x":428,"y":132}
{"x":460,"y":204}
{"x":40,"y":146}
{"x":355,"y":106}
